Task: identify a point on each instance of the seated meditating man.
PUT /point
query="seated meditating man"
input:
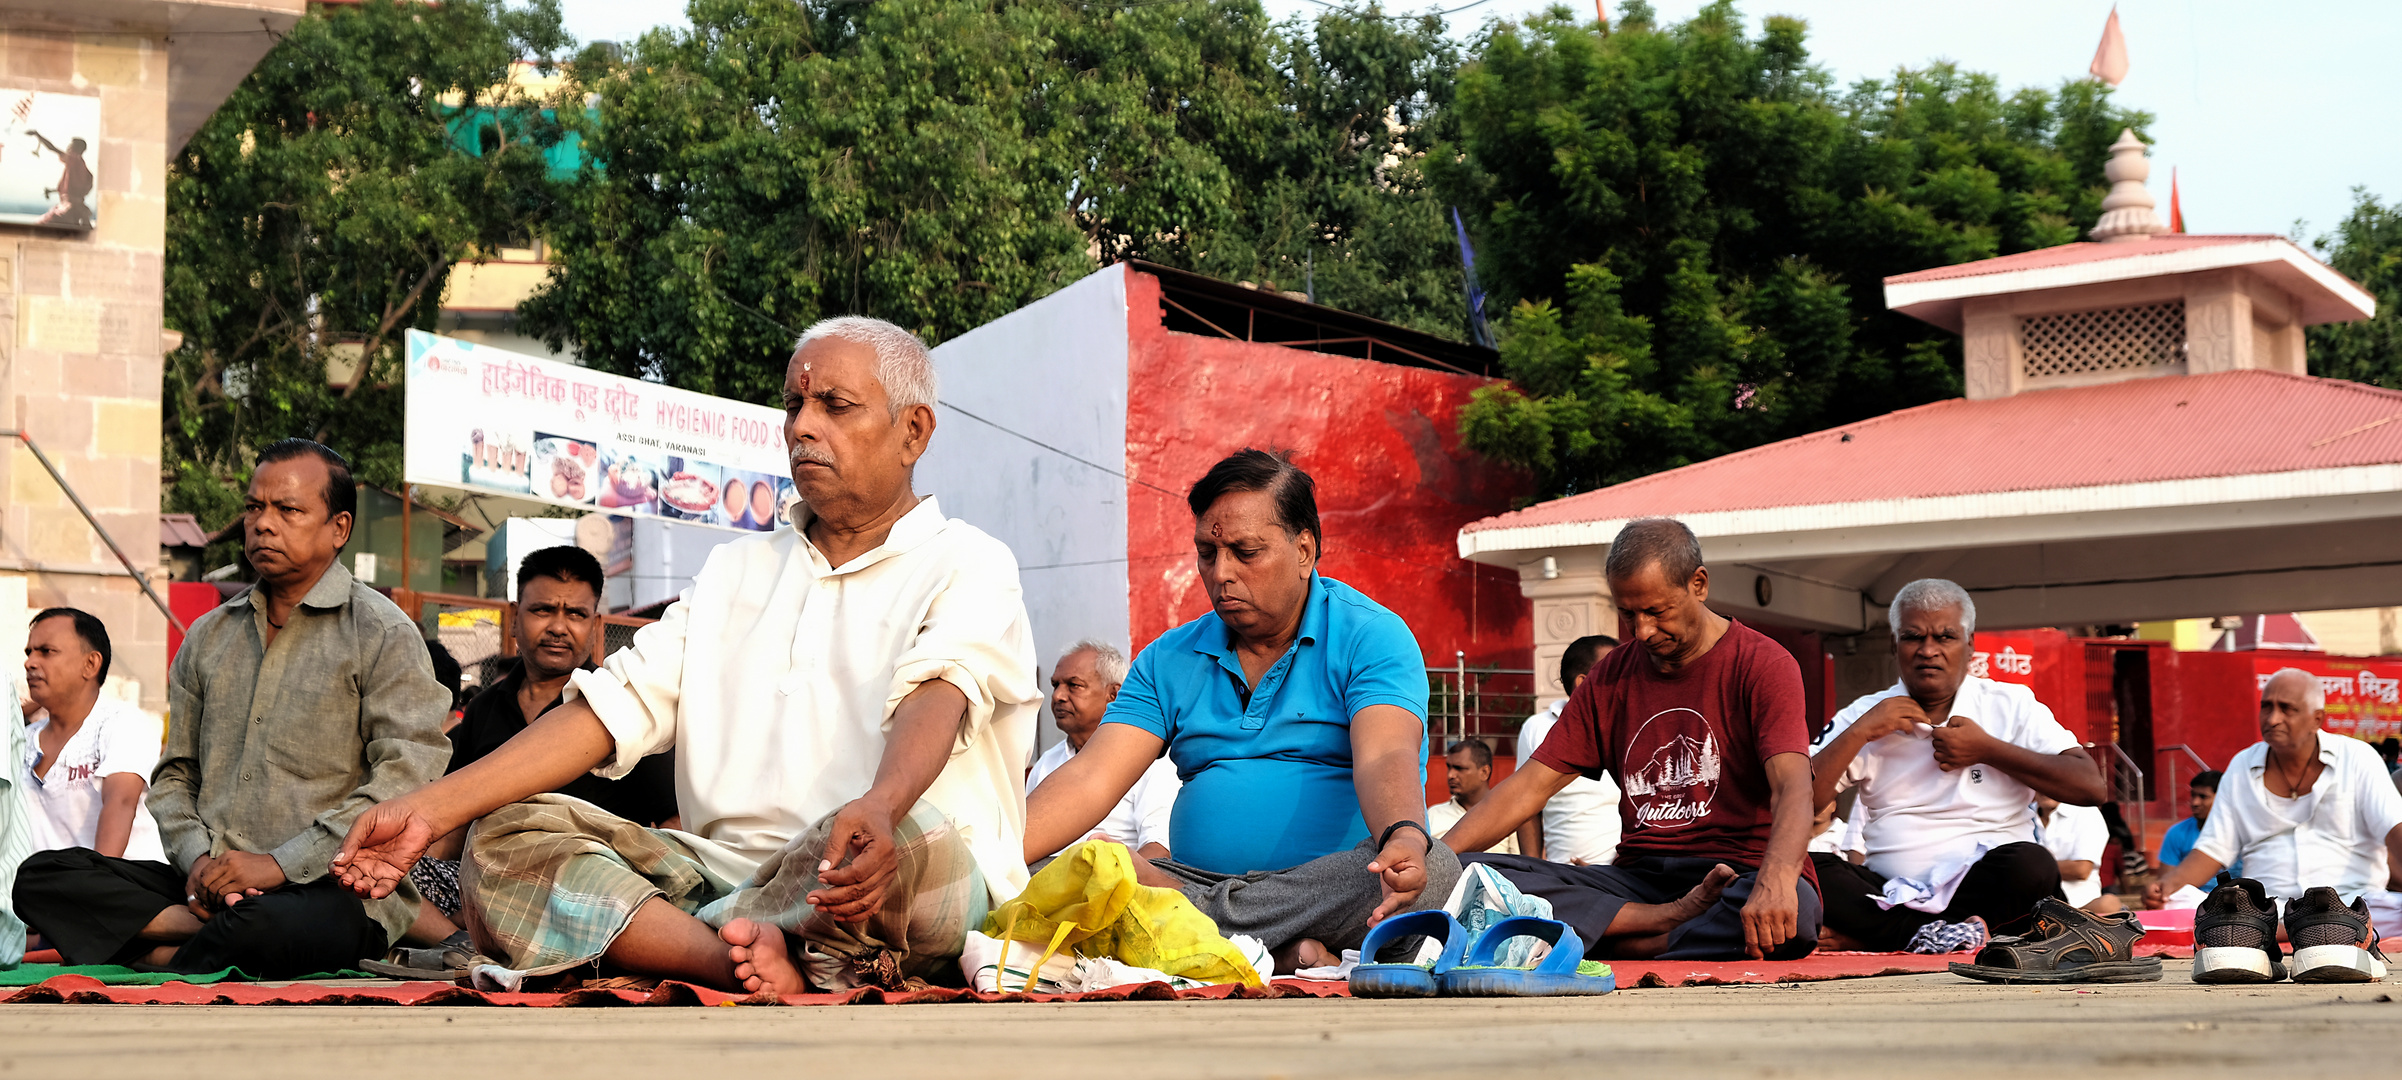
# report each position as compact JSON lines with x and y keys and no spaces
{"x":2315,"y":821}
{"x":1295,"y":713}
{"x":1702,"y":727}
{"x":293,"y":708}
{"x":850,"y":700}
{"x":1948,"y":766}
{"x":1083,"y":683}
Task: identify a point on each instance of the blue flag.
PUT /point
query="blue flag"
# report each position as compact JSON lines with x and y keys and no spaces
{"x":1476,"y":293}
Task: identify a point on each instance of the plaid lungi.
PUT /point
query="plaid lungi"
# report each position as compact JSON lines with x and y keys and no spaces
{"x":550,"y":882}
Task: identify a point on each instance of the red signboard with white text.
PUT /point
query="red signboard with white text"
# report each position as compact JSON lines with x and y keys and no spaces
{"x":2006,"y":658}
{"x":2364,"y":697}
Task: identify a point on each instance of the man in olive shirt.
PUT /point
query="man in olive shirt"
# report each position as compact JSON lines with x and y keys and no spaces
{"x":294,"y":707}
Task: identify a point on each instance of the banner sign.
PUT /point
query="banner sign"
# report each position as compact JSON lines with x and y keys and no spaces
{"x":2008,"y":658}
{"x":2364,"y":697}
{"x":489,"y":420}
{"x":49,"y":153}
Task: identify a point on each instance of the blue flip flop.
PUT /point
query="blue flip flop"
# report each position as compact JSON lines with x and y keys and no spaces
{"x":1374,"y":980}
{"x":1557,"y":975}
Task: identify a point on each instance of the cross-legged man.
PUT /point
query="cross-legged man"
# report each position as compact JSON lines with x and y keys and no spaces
{"x":1948,"y":766}
{"x":1703,"y":728}
{"x":850,"y":699}
{"x":295,"y":707}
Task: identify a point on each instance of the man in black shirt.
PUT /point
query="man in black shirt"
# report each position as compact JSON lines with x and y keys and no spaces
{"x":558,"y":620}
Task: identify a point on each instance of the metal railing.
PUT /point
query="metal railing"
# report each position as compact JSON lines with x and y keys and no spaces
{"x":2169,"y":789}
{"x":139,"y":578}
{"x":1482,"y":702}
{"x":2126,"y":784}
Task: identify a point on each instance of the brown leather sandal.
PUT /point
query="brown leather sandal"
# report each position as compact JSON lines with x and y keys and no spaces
{"x":2068,"y":945}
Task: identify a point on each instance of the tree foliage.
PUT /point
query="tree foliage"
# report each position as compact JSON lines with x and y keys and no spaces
{"x":940,"y":163}
{"x":1693,"y":225}
{"x":318,"y":215}
{"x":2366,"y":247}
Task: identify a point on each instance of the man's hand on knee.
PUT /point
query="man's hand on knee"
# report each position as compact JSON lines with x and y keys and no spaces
{"x":1771,"y":917}
{"x":1400,"y":871}
{"x":383,"y":844}
{"x":239,"y":875}
{"x":860,"y":861}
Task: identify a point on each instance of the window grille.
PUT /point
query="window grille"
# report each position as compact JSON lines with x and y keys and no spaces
{"x":2129,"y":339}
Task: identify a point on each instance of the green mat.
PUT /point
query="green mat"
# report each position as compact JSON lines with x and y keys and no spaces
{"x":117,"y":975}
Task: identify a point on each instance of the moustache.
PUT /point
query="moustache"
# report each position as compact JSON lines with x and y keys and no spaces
{"x":805,"y":452}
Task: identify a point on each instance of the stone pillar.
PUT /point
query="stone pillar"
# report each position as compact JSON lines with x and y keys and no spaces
{"x":2218,"y":324}
{"x":82,"y":363}
{"x":1566,"y":607}
{"x":1990,"y":350}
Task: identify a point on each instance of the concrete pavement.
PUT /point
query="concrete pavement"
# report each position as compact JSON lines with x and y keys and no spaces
{"x":1926,"y":1027}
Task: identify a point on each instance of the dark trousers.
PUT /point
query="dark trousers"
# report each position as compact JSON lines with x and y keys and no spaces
{"x":92,"y":908}
{"x":2001,"y":889}
{"x":1588,"y":898}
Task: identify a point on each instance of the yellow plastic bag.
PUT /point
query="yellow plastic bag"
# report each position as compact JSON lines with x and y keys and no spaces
{"x":1088,"y":902}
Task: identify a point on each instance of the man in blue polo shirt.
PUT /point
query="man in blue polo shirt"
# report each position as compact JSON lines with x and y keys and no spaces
{"x":1295,"y":715}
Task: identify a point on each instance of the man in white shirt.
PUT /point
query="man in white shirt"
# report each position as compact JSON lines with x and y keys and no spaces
{"x":1468,"y":773}
{"x":87,"y":761}
{"x":2076,"y":837}
{"x":2299,"y":809}
{"x":1948,"y":767}
{"x":1580,"y":824}
{"x":850,"y":701}
{"x":1083,"y":683}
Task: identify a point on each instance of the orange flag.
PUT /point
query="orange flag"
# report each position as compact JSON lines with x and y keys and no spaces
{"x":2110,"y":60}
{"x":2176,"y":214}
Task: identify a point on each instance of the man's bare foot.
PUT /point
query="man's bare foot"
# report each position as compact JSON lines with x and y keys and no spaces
{"x":1304,"y":953}
{"x":1833,"y":940}
{"x":1692,"y":904}
{"x":761,"y":961}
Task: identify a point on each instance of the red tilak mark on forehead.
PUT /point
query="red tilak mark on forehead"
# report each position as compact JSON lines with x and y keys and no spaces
{"x":804,"y":380}
{"x":1218,"y":531}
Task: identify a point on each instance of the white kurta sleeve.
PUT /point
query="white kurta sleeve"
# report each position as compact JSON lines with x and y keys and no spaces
{"x":974,"y":636}
{"x":636,"y":691}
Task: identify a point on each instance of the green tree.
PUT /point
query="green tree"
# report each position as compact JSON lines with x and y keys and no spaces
{"x":318,"y":215}
{"x":941,"y":163}
{"x":1717,"y":219}
{"x":2366,"y":247}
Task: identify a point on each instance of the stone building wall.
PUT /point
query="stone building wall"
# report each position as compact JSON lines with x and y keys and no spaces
{"x":80,"y":358}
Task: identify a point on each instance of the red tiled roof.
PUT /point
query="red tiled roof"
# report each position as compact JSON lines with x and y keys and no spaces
{"x":2232,"y":423}
{"x":181,"y":530}
{"x":2084,"y":252}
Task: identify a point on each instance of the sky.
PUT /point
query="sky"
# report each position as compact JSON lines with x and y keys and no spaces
{"x":2268,"y":113}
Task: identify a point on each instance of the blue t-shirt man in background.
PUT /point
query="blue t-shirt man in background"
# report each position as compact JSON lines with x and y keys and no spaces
{"x":1295,"y":713}
{"x":2178,"y":842}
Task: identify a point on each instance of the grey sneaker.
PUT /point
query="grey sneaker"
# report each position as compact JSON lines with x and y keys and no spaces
{"x":2332,"y":942}
{"x":2235,"y":935}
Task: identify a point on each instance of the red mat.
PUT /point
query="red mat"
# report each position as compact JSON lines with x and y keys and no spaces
{"x":78,"y":989}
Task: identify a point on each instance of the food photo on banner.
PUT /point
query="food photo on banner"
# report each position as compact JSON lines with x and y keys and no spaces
{"x":49,"y":153}
{"x":489,"y":420}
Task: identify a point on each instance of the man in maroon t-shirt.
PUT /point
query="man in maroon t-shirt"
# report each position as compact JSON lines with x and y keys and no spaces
{"x":1703,"y":729}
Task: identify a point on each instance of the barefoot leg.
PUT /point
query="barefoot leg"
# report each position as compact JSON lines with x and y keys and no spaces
{"x":1305,"y":953}
{"x":761,"y":959}
{"x":663,"y":942}
{"x":1648,"y":920}
{"x":175,"y":925}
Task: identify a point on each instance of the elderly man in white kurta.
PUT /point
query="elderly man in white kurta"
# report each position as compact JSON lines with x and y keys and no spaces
{"x":851,"y":702}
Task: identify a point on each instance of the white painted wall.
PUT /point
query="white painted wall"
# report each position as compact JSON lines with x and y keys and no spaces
{"x":1053,"y":371}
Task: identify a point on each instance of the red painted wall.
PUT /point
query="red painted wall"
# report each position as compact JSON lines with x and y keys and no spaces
{"x":1382,"y":442}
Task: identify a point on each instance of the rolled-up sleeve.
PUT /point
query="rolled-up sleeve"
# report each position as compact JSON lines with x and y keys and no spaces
{"x":637,"y":690}
{"x":974,"y":636}
{"x":401,"y":709}
{"x":174,"y":798}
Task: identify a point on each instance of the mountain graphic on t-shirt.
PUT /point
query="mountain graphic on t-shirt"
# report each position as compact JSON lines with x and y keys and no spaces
{"x":1678,"y":783}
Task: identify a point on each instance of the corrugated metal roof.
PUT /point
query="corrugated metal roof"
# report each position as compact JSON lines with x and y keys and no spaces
{"x":181,"y":530}
{"x":2233,"y":423}
{"x":2082,"y":252}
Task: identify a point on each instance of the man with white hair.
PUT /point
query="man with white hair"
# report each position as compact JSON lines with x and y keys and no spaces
{"x":2316,"y":824}
{"x":850,"y":701}
{"x":1948,"y":765}
{"x":1083,"y":683}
